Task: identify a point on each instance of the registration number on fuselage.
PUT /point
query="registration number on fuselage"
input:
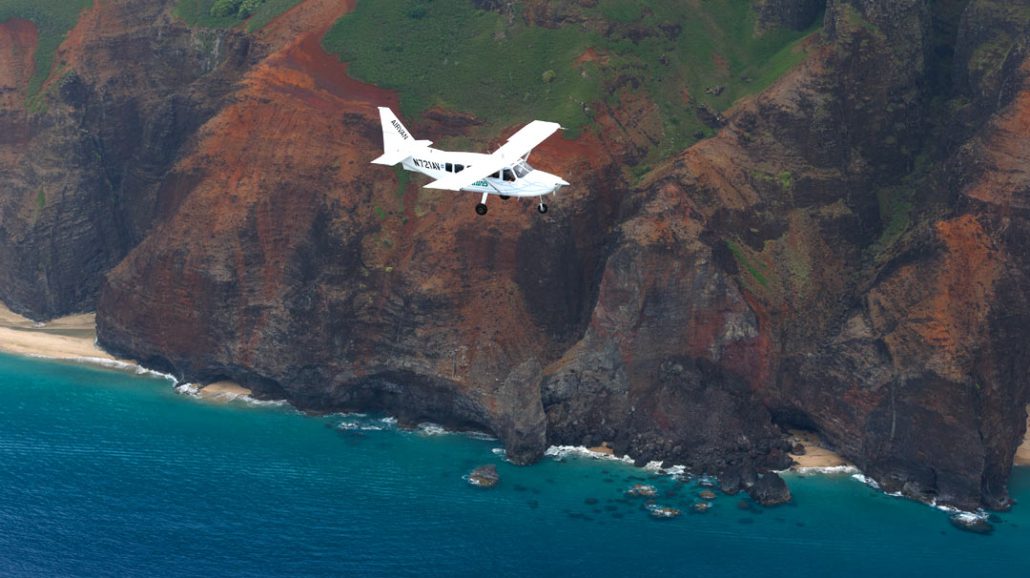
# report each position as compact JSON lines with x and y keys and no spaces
{"x":427,"y":164}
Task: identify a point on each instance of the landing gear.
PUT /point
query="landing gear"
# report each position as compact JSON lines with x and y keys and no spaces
{"x":480,"y":209}
{"x":505,"y":197}
{"x":542,"y":207}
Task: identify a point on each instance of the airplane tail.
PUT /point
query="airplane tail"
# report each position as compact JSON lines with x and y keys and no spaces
{"x":398,"y":144}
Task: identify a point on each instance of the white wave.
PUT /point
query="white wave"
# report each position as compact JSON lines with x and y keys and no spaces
{"x":964,"y":515}
{"x":862,"y":478}
{"x":500,"y":452}
{"x":261,"y":402}
{"x":347,"y":415}
{"x":676,"y":471}
{"x":109,"y":364}
{"x":431,"y":429}
{"x":390,"y":421}
{"x":359,"y":426}
{"x":560,"y":452}
{"x":190,"y":389}
{"x":827,"y":470}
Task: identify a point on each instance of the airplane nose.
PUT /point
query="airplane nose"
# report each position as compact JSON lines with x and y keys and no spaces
{"x":555,"y":180}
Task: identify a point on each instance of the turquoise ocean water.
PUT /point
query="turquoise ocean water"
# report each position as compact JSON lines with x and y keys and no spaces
{"x":109,"y":474}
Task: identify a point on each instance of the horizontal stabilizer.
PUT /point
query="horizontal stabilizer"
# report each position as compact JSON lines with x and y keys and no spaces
{"x":392,"y":158}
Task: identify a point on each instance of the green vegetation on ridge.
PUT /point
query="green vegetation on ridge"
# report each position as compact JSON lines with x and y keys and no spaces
{"x":53,"y":20}
{"x":449,"y":53}
{"x":253,"y":14}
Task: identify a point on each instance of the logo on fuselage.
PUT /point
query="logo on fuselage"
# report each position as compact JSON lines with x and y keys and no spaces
{"x":400,"y":129}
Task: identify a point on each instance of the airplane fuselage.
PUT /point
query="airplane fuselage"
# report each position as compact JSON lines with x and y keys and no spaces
{"x":519,"y":180}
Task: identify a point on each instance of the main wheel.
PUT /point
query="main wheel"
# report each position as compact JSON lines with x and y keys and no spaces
{"x":542,"y":207}
{"x":505,"y":197}
{"x":480,"y":209}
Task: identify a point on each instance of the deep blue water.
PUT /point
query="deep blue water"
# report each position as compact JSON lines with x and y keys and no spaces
{"x":106,"y":473}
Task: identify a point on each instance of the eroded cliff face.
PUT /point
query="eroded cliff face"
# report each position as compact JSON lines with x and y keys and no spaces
{"x":838,"y":258}
{"x":84,"y":167}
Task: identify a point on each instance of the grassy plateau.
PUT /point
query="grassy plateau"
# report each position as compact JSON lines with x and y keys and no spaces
{"x":448,"y":53}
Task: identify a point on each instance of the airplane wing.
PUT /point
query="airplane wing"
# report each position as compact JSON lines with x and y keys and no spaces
{"x":471,"y":174}
{"x":520,"y":144}
{"x":526,"y":139}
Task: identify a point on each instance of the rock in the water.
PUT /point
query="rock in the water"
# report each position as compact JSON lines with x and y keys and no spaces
{"x":644,"y":490}
{"x":484,"y":476}
{"x":707,"y":495}
{"x":729,"y":481}
{"x":971,"y":523}
{"x":701,"y":507}
{"x":770,"y":490}
{"x":663,"y":512}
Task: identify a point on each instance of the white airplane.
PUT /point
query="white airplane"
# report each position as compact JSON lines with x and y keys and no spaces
{"x":504,"y":173}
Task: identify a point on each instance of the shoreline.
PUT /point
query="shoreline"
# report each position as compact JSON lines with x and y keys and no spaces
{"x":73,"y":339}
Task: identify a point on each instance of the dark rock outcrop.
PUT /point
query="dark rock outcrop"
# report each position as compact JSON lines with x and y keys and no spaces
{"x":769,"y":490}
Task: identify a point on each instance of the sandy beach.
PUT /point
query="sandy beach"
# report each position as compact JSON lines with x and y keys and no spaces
{"x":68,"y":338}
{"x":222,"y":391}
{"x":815,"y":456}
{"x":1023,"y":452}
{"x":73,"y":338}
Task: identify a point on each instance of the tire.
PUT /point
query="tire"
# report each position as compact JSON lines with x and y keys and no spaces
{"x":505,"y":197}
{"x":542,"y":207}
{"x":480,"y":209}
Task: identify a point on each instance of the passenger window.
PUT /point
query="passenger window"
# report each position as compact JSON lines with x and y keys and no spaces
{"x":458,"y":168}
{"x":450,"y":167}
{"x":496,"y":175}
{"x":509,"y":176}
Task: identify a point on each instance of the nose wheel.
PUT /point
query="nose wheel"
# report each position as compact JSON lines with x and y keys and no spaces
{"x":480,"y":209}
{"x":542,"y":208}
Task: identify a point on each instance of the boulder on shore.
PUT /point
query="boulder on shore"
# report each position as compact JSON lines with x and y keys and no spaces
{"x":769,"y":490}
{"x":484,"y":476}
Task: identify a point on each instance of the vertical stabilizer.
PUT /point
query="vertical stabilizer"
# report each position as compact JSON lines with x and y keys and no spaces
{"x":397,"y":141}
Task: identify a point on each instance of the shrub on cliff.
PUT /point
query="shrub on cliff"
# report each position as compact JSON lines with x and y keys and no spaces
{"x":238,"y":8}
{"x":223,"y":8}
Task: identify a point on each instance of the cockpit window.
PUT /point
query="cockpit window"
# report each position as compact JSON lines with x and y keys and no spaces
{"x":522,"y":169}
{"x":509,"y":176}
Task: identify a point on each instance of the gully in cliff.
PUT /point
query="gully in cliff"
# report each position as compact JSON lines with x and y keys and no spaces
{"x":505,"y":173}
